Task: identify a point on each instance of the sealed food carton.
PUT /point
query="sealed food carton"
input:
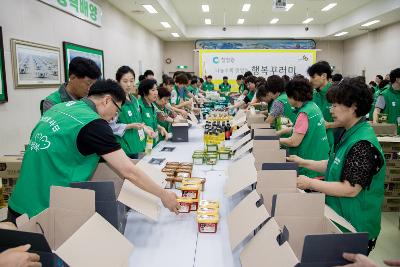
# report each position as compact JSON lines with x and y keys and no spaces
{"x":207,"y":223}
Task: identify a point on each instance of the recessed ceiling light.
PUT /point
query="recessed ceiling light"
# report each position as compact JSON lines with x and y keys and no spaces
{"x":288,"y":7}
{"x":165,"y":24}
{"x":341,"y":34}
{"x":274,"y":20}
{"x":329,"y":7}
{"x":240,"y":21}
{"x":308,"y":20}
{"x":207,"y":21}
{"x":370,"y":23}
{"x":246,"y":7}
{"x":205,"y":8}
{"x":150,"y":9}
{"x":175,"y":34}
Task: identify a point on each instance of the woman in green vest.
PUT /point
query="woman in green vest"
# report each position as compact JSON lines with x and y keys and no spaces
{"x":128,"y":127}
{"x":383,"y":85}
{"x":208,"y":85}
{"x":355,"y":171}
{"x":148,"y":95}
{"x":181,"y":98}
{"x":389,"y":101}
{"x":163,"y":114}
{"x":308,"y":137}
{"x":280,"y":107}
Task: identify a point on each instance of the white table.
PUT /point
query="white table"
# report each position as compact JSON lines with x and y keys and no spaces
{"x":174,"y":241}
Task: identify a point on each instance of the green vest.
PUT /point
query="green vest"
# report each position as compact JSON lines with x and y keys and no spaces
{"x":250,"y":95}
{"x":225,"y":88}
{"x":52,"y":157}
{"x":315,"y":144}
{"x":242,"y":88}
{"x":364,"y":210}
{"x":193,"y":90}
{"x":392,"y":106}
{"x":149,"y":116}
{"x":208,"y":86}
{"x":178,"y":99}
{"x":57,"y":97}
{"x":320,"y":99}
{"x":288,"y":112}
{"x":131,"y":141}
{"x":371,"y":112}
{"x":164,"y":124}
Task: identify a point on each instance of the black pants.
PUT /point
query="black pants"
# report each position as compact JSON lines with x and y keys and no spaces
{"x":12,"y":215}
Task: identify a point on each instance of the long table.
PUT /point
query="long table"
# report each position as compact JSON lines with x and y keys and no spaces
{"x":174,"y":241}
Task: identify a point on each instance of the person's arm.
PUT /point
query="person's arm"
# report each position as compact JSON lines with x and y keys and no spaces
{"x":46,"y":105}
{"x":125,"y":168}
{"x":335,"y":189}
{"x":317,"y":166}
{"x":379,"y":106}
{"x":19,"y":257}
{"x":284,"y":131}
{"x":300,"y":130}
{"x":120,"y":128}
{"x":293,"y":141}
{"x":162,"y":131}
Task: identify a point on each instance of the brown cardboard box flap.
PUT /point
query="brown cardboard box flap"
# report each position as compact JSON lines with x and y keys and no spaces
{"x":261,"y":125}
{"x":193,"y":118}
{"x":240,"y":131}
{"x":241,"y":174}
{"x":263,"y":145}
{"x":333,"y":216}
{"x":389,"y":139}
{"x":241,"y":142}
{"x":294,"y":204}
{"x":139,"y":200}
{"x":96,"y":243}
{"x":245,"y":218}
{"x":266,"y":155}
{"x":263,"y":249}
{"x":264,"y":132}
{"x":72,"y":198}
{"x":243,"y":150}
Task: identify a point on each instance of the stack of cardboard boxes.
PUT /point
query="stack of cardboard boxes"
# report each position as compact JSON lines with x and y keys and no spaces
{"x":391,"y":149}
{"x":10,"y":167}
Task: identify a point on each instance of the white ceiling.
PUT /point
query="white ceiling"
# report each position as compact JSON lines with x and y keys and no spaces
{"x":187,"y":19}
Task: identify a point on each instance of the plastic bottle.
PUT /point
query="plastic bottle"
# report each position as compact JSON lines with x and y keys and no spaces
{"x":149,"y":145}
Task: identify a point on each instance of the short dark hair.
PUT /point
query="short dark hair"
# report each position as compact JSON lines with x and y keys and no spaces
{"x":383,"y":84}
{"x":351,"y":91}
{"x":141,"y":77}
{"x":148,"y":72}
{"x":260,"y":81}
{"x":163,"y":92}
{"x":285,"y":78}
{"x":337,"y":77}
{"x":225,"y":78}
{"x":394,"y":74}
{"x":261,"y":91}
{"x":209,"y":77}
{"x":145,"y":86}
{"x":299,"y":89}
{"x":275,"y":84}
{"x":247,"y":74}
{"x":239,"y":77}
{"x":83,"y":67}
{"x":320,"y":68}
{"x":169,"y":81}
{"x":103,"y":87}
{"x":176,"y":73}
{"x":380,"y":77}
{"x":182,"y":79}
{"x":122,"y":71}
{"x":250,"y":79}
{"x":193,"y":81}
{"x":372,"y":83}
{"x":201,"y":80}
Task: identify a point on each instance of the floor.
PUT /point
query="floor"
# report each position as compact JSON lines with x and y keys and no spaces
{"x":388,"y":244}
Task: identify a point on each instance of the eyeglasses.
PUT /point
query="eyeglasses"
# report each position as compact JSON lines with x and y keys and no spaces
{"x":115,"y":103}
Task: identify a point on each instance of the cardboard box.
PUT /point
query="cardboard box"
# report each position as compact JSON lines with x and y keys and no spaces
{"x":390,"y":144}
{"x":392,"y":189}
{"x":262,"y":125}
{"x":11,"y":239}
{"x":265,"y":155}
{"x":129,"y":194}
{"x":10,"y":166}
{"x":264,"y":132}
{"x":392,"y":174}
{"x":106,"y":202}
{"x":266,"y":143}
{"x":254,"y":119}
{"x":299,"y":233}
{"x":241,"y":174}
{"x":75,"y":232}
{"x":242,"y":130}
{"x":384,"y":129}
{"x":243,"y":150}
{"x":180,"y":132}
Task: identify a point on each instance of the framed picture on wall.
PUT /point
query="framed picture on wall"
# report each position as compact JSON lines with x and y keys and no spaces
{"x":71,"y":51}
{"x":3,"y":84}
{"x":35,"y":65}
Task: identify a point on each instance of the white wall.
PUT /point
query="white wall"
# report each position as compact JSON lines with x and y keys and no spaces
{"x":331,"y":51}
{"x":124,"y":43}
{"x":377,"y":52}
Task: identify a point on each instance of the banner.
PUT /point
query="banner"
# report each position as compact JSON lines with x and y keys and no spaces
{"x":261,"y":62}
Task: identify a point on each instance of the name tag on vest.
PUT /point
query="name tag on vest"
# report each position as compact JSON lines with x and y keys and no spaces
{"x":129,"y":113}
{"x":148,"y":115}
{"x":393,"y":104}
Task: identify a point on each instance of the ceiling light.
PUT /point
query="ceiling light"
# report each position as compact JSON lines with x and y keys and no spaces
{"x":205,"y":8}
{"x":288,"y":7}
{"x":175,"y":34}
{"x":207,"y":21}
{"x":240,"y":21}
{"x":341,"y":34}
{"x":150,"y":9}
{"x":165,"y":24}
{"x":370,"y":23}
{"x":329,"y":7}
{"x":274,"y":20}
{"x":308,"y":20}
{"x":246,"y":7}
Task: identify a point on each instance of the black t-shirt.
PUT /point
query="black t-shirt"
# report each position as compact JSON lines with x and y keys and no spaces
{"x":97,"y":137}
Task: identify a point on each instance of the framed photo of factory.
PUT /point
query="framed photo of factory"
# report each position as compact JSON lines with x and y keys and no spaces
{"x":35,"y":65}
{"x":3,"y":83}
{"x":71,"y":51}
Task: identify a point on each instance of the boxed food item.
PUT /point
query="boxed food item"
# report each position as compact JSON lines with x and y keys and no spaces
{"x":207,"y":223}
{"x":190,"y":190}
{"x":185,"y":204}
{"x":10,"y":166}
{"x":384,"y":129}
{"x":198,"y":158}
{"x":195,"y":180}
{"x":209,"y":204}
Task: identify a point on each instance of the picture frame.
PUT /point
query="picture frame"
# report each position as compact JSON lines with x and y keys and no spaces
{"x":3,"y":82}
{"x":35,"y":65}
{"x":71,"y":50}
